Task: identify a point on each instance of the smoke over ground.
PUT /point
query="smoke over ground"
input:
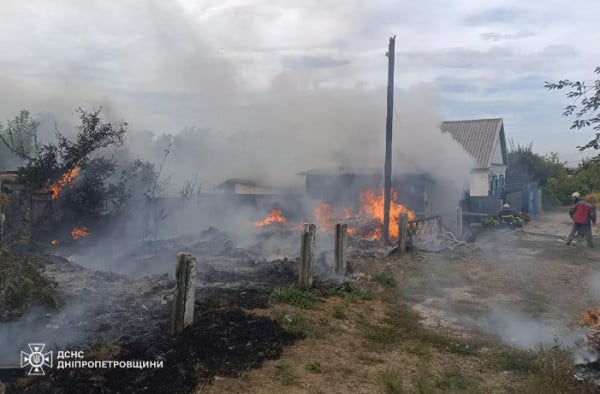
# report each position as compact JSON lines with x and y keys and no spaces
{"x":41,"y":326}
{"x":154,"y":65}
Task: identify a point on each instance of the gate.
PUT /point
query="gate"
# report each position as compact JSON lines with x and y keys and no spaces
{"x":423,"y":231}
{"x":515,"y":200}
{"x":530,"y":199}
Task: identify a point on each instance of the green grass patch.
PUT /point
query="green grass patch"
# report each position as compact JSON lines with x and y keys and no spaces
{"x":297,"y":297}
{"x":419,"y":349}
{"x":391,"y":382}
{"x":443,"y":342}
{"x":338,"y":312}
{"x":368,"y":360}
{"x":314,"y":368}
{"x":456,"y":381}
{"x":295,"y":321}
{"x":523,"y":362}
{"x":284,"y":375}
{"x":426,"y":384}
{"x":350,"y":294}
{"x":386,"y":278}
{"x":401,"y":323}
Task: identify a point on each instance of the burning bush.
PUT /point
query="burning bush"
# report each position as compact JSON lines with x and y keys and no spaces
{"x":49,"y":164}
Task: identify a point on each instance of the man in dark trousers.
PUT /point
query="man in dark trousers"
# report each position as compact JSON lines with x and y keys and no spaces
{"x":583,"y":214}
{"x":507,"y":215}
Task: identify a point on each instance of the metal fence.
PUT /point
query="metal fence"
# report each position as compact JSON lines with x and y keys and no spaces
{"x":515,"y":200}
{"x":489,"y":205}
{"x":423,"y":230}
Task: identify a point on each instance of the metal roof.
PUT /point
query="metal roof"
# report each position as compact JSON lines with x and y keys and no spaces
{"x":479,"y":138}
{"x":237,"y":181}
{"x":342,"y":171}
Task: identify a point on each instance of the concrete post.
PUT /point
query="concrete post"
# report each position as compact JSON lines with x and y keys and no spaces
{"x":403,"y":232}
{"x":307,"y":255}
{"x":183,"y":301}
{"x":340,"y":246}
{"x":459,"y":223}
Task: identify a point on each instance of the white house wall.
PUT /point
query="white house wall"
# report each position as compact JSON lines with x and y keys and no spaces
{"x":479,"y":184}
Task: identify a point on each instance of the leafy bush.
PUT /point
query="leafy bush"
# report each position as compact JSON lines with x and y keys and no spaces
{"x":595,"y":195}
{"x":489,"y":221}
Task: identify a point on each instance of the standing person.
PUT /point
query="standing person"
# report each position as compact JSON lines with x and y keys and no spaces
{"x":583,"y":215}
{"x":575,"y":198}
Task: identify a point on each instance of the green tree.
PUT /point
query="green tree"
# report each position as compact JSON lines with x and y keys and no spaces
{"x":18,"y":139}
{"x":526,"y":166}
{"x":586,"y":101}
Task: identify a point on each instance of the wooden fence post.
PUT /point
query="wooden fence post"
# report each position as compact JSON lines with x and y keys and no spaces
{"x":307,"y":255}
{"x":183,"y":302}
{"x":403,"y":232}
{"x":340,"y":246}
{"x":459,"y":223}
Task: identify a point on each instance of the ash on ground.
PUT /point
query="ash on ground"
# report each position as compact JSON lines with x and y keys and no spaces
{"x":118,"y":317}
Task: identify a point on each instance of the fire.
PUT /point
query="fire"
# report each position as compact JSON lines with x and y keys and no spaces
{"x":369,"y":219}
{"x":80,"y":232}
{"x":275,"y":216}
{"x":66,"y":179}
{"x":54,"y":242}
{"x":324,"y":216}
{"x":367,"y":223}
{"x":591,"y":318}
{"x":371,"y":205}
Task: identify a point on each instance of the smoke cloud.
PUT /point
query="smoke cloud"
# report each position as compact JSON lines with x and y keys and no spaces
{"x":153,"y":64}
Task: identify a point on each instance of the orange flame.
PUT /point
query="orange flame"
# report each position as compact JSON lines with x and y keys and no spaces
{"x":54,"y":242}
{"x":371,"y":205}
{"x":275,"y":216}
{"x":324,"y":215}
{"x":591,"y":318}
{"x":80,"y":232}
{"x":66,"y":179}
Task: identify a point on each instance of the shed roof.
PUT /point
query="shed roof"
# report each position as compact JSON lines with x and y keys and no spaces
{"x":479,"y":138}
{"x":236,"y":181}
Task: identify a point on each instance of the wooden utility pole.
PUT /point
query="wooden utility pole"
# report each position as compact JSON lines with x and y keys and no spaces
{"x":391,"y":54}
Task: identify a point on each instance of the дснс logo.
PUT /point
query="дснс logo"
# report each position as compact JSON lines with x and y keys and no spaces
{"x":36,"y":359}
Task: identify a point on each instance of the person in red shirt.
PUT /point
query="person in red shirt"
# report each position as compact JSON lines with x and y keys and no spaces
{"x":583,"y":215}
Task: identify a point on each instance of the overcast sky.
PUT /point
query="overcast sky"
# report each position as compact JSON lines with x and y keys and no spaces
{"x":164,"y":65}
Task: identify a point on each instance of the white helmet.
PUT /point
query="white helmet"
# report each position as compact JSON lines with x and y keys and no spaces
{"x":575,"y":195}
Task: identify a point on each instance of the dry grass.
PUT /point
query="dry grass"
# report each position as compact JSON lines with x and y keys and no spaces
{"x":23,"y":285}
{"x":355,"y":344}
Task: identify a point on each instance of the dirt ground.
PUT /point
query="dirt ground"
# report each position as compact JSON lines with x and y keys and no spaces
{"x":511,"y":287}
{"x":529,"y":271}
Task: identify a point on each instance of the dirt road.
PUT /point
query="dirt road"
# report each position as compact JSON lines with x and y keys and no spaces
{"x":523,"y":285}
